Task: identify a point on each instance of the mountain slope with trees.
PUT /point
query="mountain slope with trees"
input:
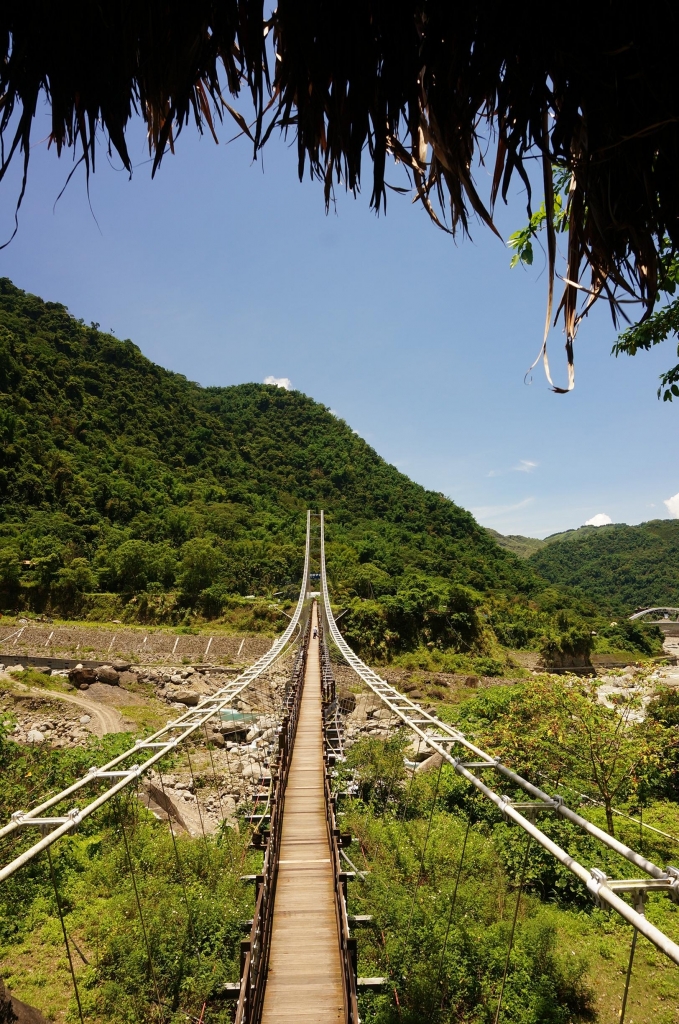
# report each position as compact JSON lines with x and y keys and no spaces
{"x":622,"y":567}
{"x":120,"y":477}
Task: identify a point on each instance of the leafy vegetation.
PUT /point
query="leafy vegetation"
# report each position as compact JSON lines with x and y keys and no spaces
{"x":622,"y":567}
{"x":192,"y":903}
{"x":521,"y":546}
{"x":411,"y":834}
{"x":441,"y":941}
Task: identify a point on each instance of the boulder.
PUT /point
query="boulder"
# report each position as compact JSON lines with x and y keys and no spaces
{"x":13,"y":1011}
{"x":161,"y":803}
{"x":107,"y":674}
{"x":186,"y":697}
{"x":84,"y":719}
{"x":35,"y":736}
{"x":435,"y":761}
{"x":82,"y":677}
{"x":120,"y":665}
{"x":227,"y":728}
{"x":228,"y":806}
{"x":216,"y":739}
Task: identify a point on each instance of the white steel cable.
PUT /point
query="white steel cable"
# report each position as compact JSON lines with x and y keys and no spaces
{"x":602,"y":889}
{"x":158,"y":745}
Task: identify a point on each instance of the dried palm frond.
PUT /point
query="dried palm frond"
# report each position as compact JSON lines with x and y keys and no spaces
{"x":431,"y":83}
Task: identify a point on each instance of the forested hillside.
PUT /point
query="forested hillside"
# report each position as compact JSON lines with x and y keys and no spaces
{"x":623,"y":567}
{"x":119,"y":477}
{"x":117,"y":474}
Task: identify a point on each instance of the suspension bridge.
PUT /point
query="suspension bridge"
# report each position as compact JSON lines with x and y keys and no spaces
{"x":299,"y":959}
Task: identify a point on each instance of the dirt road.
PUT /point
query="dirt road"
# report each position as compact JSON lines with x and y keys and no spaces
{"x":104,"y":719}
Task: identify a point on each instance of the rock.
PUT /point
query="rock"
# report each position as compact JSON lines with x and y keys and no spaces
{"x":120,"y":665}
{"x":81,"y":677}
{"x":435,"y":761}
{"x":186,"y":697}
{"x":176,"y":678}
{"x":13,"y":1011}
{"x":16,"y":668}
{"x":156,"y":799}
{"x":252,"y":771}
{"x":230,"y":728}
{"x":84,"y":686}
{"x":107,"y":674}
{"x":84,"y":719}
{"x":471,"y":681}
{"x":79,"y":666}
{"x":188,"y":671}
{"x":216,"y":739}
{"x":228,"y":805}
{"x":35,"y":736}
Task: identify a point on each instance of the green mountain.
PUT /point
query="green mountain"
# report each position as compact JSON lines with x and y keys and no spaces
{"x":514,"y":542}
{"x":622,"y":567}
{"x":117,"y":475}
{"x":120,"y":478}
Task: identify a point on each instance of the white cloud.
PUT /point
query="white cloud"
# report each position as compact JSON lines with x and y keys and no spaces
{"x":524,"y":466}
{"x":672,"y":505}
{"x":600,"y":519}
{"x":280,"y":382}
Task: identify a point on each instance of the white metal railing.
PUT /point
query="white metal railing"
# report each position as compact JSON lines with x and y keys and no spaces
{"x":156,"y":747}
{"x":442,"y":738}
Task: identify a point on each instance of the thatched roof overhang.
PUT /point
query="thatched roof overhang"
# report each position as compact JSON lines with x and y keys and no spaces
{"x":590,"y":88}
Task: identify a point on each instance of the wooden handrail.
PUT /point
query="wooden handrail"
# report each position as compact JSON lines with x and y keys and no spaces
{"x":348,"y":953}
{"x":255,"y":949}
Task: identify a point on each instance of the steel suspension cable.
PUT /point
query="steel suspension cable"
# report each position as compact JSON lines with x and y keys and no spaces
{"x":511,"y":935}
{"x":445,"y":738}
{"x":66,"y":942}
{"x":182,"y":880}
{"x":138,"y":901}
{"x":160,"y":743}
{"x":452,"y":903}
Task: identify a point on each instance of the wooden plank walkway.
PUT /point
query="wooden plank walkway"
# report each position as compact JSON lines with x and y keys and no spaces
{"x":304,"y":982}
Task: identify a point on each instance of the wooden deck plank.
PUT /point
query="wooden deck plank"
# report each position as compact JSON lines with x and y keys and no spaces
{"x":304,"y":982}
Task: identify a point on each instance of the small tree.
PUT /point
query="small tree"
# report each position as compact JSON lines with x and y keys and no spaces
{"x":560,"y":732}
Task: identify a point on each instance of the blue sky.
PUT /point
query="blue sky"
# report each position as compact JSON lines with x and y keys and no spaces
{"x":229,"y":271}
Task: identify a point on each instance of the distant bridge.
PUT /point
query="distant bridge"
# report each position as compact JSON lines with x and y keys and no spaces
{"x":667,"y":619}
{"x":663,"y":614}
